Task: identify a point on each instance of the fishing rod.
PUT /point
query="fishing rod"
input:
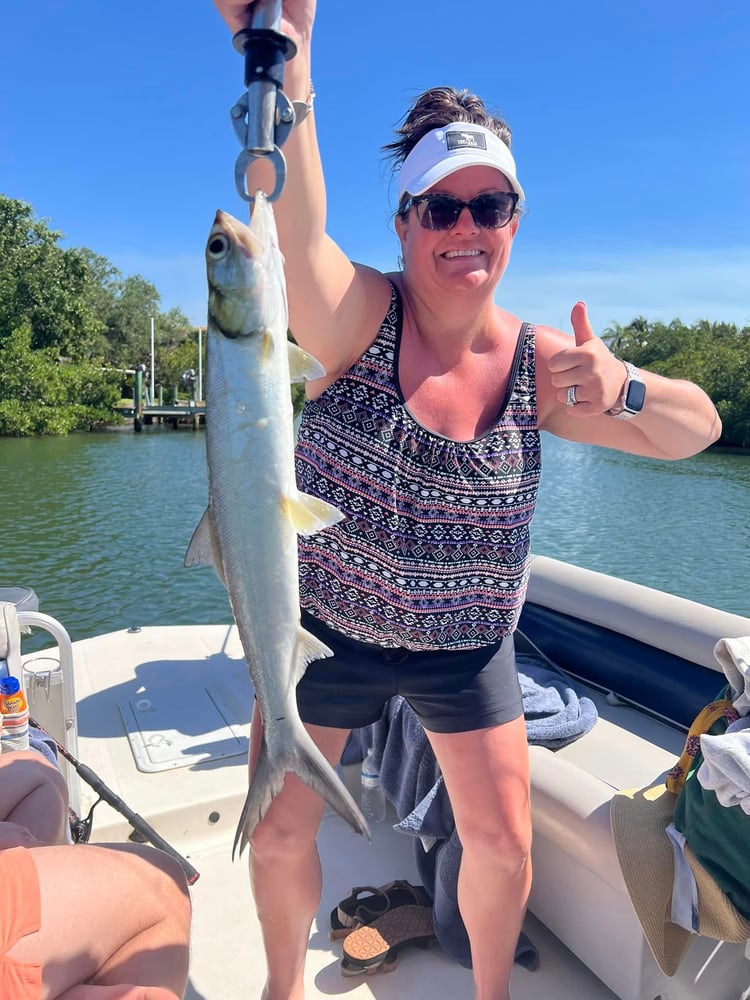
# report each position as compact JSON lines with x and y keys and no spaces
{"x":105,"y":793}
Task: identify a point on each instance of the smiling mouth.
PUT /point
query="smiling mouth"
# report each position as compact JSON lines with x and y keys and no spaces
{"x":453,"y":254}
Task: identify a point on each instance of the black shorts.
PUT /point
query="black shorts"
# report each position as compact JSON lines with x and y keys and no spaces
{"x":451,"y":691}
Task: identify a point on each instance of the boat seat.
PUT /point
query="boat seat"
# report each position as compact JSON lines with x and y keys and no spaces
{"x":608,"y":758}
{"x":578,"y":890}
{"x":46,"y":676}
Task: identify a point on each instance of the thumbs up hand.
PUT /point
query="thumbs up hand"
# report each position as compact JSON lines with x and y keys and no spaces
{"x":587,"y":377}
{"x":582,"y":328}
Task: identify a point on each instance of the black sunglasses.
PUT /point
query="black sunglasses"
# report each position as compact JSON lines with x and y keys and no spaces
{"x":492,"y":210}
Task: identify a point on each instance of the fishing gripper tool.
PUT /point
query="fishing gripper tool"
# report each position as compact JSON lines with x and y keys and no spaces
{"x":264,"y":116}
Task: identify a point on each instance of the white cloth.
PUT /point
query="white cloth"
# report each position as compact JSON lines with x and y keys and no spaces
{"x":726,"y":765}
{"x":733,"y":656}
{"x":684,"y":906}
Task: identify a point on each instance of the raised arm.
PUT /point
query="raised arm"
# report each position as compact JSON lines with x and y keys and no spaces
{"x":335,"y":306}
{"x":677,"y":420}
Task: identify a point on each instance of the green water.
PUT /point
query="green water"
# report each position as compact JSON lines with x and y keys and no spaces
{"x":683,"y":527}
{"x":98,"y":525}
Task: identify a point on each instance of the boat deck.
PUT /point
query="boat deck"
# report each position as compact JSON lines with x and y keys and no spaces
{"x":194,"y":805}
{"x":228,"y":964}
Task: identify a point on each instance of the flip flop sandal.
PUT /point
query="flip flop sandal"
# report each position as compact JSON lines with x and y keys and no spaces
{"x":352,"y":912}
{"x":388,"y":964}
{"x":375,"y":947}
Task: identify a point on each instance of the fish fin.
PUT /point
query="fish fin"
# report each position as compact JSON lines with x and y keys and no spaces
{"x":203,"y":549}
{"x":304,"y":759}
{"x":303,"y":366}
{"x":310,"y":514}
{"x":309,"y":648}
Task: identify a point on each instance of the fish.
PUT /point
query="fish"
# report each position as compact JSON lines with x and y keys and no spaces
{"x":255,"y":511}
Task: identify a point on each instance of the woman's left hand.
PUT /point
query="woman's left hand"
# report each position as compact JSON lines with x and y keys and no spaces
{"x":597,"y":375}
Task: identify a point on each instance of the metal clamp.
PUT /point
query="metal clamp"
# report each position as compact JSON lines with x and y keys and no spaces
{"x":254,"y":147}
{"x":263,"y":117}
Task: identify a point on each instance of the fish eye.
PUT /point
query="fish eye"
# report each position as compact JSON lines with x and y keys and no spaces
{"x":218,"y":247}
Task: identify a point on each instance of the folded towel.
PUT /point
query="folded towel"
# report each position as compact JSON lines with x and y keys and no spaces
{"x":43,"y":743}
{"x":734,"y":657}
{"x":556,"y":713}
{"x":726,"y":765}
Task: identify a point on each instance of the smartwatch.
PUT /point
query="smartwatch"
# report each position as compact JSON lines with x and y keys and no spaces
{"x":632,"y":397}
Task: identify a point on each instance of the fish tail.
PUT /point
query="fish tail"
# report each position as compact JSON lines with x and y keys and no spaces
{"x":266,"y":783}
{"x":312,"y":767}
{"x":308,"y":763}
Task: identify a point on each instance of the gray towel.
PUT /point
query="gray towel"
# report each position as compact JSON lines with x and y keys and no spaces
{"x":555,"y":710}
{"x":556,"y":714}
{"x":44,"y":744}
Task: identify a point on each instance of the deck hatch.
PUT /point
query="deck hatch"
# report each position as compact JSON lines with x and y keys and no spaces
{"x":178,"y":727}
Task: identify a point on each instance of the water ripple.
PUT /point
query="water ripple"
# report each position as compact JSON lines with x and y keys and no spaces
{"x":98,"y":525}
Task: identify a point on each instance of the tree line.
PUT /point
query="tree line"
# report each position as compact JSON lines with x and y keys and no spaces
{"x":714,"y":355}
{"x":71,"y":325}
{"x":71,"y":328}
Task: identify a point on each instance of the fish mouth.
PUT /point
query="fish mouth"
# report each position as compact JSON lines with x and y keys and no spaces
{"x":234,"y":264}
{"x":227,"y":233}
{"x":242,"y":265}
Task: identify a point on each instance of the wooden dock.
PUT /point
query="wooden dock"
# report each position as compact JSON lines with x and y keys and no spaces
{"x":177,"y":414}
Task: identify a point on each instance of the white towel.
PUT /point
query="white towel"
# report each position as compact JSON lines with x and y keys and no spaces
{"x":733,"y":656}
{"x":684,"y":911}
{"x":726,"y":765}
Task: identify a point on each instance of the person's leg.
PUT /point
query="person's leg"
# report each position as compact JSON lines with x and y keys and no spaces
{"x":111,"y":915}
{"x":117,"y":993}
{"x":33,"y":794}
{"x":285,"y":872}
{"x":487,"y":778}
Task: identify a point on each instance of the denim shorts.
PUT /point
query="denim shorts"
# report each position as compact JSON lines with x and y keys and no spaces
{"x":451,"y":691}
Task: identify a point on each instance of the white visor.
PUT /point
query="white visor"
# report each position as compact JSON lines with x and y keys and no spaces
{"x":450,"y":148}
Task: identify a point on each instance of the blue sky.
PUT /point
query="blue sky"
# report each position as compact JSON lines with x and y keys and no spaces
{"x":630,"y":121}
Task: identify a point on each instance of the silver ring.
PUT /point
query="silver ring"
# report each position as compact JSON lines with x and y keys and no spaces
{"x":571,"y":400}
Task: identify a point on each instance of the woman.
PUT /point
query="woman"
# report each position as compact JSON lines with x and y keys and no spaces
{"x":425,"y":433}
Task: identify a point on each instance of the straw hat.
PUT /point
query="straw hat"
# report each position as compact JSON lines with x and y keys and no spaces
{"x":639,"y":818}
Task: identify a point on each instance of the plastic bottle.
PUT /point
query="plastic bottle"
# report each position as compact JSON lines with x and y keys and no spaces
{"x":372,"y":799}
{"x":15,"y":716}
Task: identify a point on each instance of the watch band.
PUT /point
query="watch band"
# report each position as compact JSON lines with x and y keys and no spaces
{"x":303,"y":108}
{"x":632,"y":397}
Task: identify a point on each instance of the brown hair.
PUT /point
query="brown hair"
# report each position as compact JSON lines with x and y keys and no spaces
{"x":442,"y":106}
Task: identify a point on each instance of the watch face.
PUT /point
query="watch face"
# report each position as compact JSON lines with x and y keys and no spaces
{"x":636,"y":396}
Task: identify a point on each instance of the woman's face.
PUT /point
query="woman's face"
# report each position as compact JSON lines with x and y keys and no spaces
{"x":466,"y":257}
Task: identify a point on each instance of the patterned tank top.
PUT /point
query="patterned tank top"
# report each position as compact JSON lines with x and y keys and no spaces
{"x":433,"y":551}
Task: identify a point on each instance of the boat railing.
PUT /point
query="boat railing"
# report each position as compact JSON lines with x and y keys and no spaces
{"x":47,"y":679}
